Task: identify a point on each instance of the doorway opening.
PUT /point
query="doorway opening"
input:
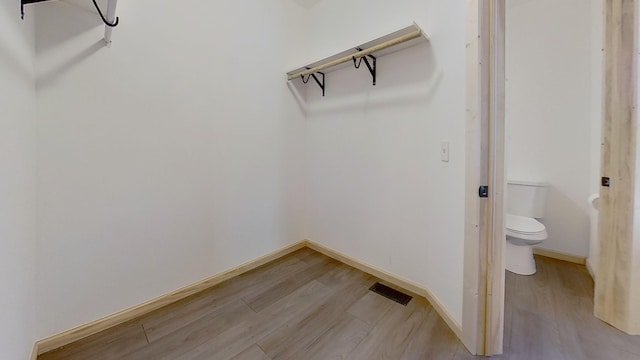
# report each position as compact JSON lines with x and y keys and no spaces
{"x":514,"y":141}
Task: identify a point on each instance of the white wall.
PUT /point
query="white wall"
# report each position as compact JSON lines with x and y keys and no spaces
{"x":550,"y":111}
{"x":177,"y":153}
{"x":377,"y":188}
{"x":171,"y":156}
{"x":17,"y":184}
{"x":597,"y":71}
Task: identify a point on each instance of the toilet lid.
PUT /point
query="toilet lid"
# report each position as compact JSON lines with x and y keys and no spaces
{"x":524,"y":225}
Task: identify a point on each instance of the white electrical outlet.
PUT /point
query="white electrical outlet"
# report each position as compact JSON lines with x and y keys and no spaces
{"x":444,"y":151}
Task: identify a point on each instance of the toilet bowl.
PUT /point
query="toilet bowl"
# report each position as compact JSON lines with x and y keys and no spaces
{"x":522,"y":234}
{"x":526,"y":203}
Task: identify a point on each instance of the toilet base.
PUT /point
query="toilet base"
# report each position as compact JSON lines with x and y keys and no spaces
{"x":520,"y":259}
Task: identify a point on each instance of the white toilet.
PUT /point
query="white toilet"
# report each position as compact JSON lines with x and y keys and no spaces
{"x":526,"y":202}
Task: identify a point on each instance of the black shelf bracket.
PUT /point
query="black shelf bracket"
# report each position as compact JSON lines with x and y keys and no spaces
{"x":104,"y":19}
{"x":320,"y":83}
{"x":370,"y":65}
{"x":26,"y":2}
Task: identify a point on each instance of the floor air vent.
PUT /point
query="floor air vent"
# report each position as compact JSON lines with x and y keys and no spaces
{"x":392,"y":294}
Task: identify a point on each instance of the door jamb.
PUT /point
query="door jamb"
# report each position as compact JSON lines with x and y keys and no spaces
{"x":483,"y":289}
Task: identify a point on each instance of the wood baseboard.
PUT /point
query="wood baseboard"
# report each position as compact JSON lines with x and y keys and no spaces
{"x":393,"y":279}
{"x":83,"y":331}
{"x":94,"y":327}
{"x":34,"y":352}
{"x":590,"y":269}
{"x":558,"y":255}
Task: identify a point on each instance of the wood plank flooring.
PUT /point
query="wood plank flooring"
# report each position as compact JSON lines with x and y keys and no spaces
{"x":550,"y":316}
{"x":308,"y":306}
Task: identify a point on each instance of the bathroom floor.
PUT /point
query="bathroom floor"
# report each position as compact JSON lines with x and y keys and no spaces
{"x":550,"y":316}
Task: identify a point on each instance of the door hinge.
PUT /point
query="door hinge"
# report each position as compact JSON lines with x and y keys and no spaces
{"x":483,"y":192}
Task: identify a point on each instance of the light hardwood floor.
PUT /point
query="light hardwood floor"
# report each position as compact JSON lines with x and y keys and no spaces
{"x":308,"y":306}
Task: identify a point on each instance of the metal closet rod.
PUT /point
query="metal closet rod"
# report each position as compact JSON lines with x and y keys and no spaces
{"x":399,"y":40}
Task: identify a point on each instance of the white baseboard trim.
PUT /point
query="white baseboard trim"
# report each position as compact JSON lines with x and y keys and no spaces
{"x":393,"y":279}
{"x":94,"y":327}
{"x":559,"y":255}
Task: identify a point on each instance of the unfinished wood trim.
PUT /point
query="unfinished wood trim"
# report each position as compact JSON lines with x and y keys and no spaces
{"x":617,"y":291}
{"x":67,"y":337}
{"x":414,"y":35}
{"x":559,"y":255}
{"x":589,"y":267}
{"x":393,"y":279}
{"x":34,"y":352}
{"x":327,"y":63}
{"x":474,"y":280}
{"x":494,"y":316}
{"x":483,"y":303}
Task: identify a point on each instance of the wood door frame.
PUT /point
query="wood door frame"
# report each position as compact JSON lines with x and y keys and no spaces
{"x":483,"y":289}
{"x":484,"y":264}
{"x":617,"y":290}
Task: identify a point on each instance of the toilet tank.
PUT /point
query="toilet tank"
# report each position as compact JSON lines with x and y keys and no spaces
{"x":526,"y":198}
